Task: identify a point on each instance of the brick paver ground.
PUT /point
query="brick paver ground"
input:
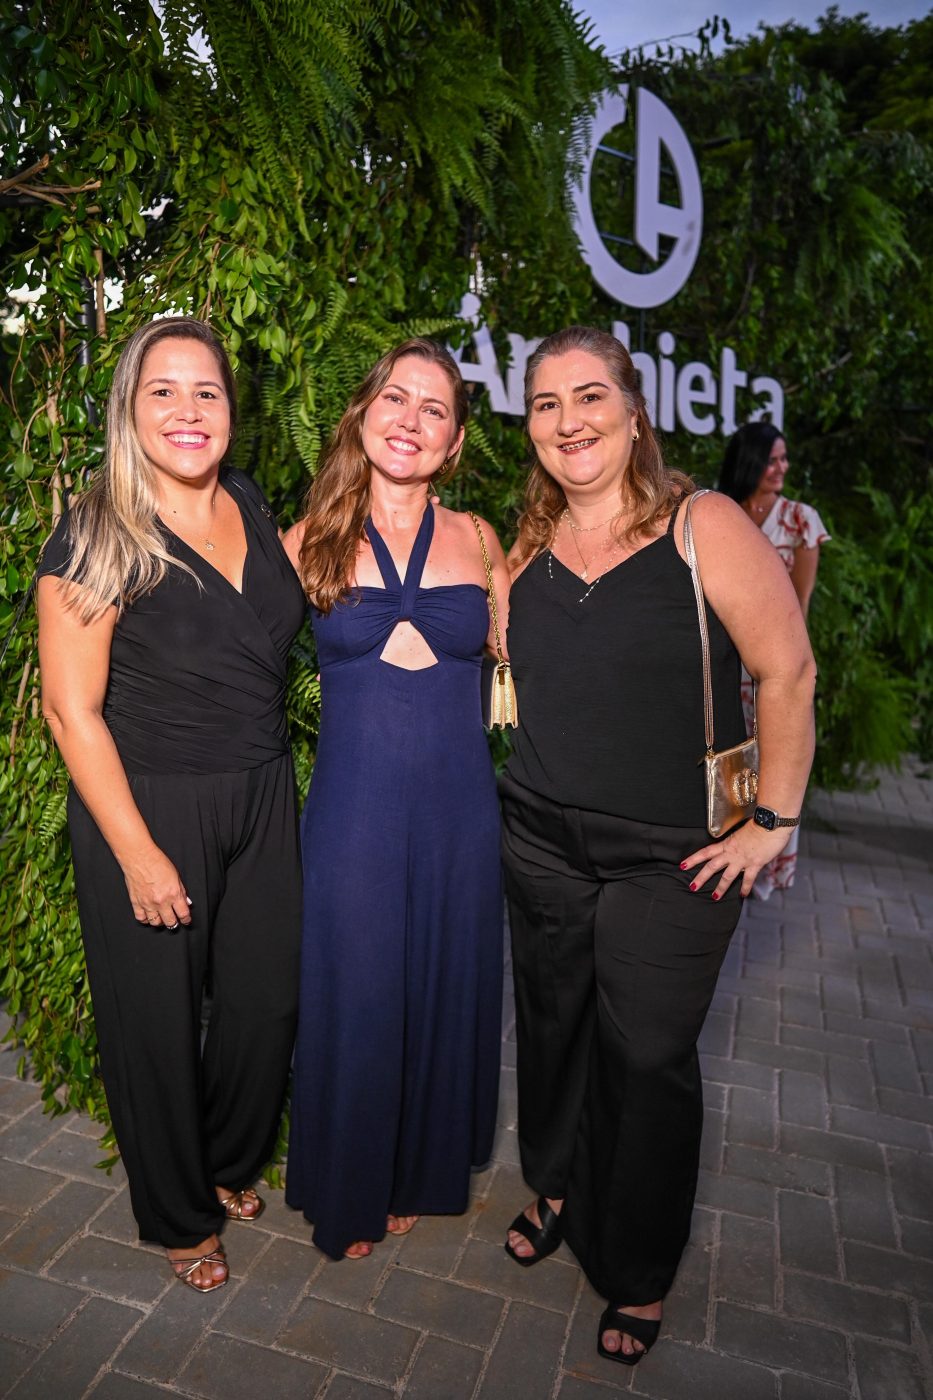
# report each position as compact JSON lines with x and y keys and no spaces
{"x":810,"y":1275}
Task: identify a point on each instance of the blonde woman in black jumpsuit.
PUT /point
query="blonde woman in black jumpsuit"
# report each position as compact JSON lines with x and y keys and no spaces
{"x":167,"y":608}
{"x":621,"y":908}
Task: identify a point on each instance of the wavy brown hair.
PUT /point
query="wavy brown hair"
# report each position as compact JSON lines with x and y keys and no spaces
{"x":649,"y":491}
{"x":339,"y":497}
{"x":117,"y":550}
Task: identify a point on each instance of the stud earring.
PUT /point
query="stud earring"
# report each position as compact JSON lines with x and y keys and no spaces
{"x":634,"y":435}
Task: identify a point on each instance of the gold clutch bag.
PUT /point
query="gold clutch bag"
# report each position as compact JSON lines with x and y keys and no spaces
{"x":732,"y":774}
{"x":500,"y":703}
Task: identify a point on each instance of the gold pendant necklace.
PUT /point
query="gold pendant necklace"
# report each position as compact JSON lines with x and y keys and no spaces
{"x":208,"y":543}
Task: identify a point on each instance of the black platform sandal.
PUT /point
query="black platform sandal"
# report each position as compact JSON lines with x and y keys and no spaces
{"x":642,"y":1329}
{"x":544,"y":1239}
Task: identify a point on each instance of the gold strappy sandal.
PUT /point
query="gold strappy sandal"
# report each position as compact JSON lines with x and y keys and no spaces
{"x":233,"y":1205}
{"x":186,"y":1275}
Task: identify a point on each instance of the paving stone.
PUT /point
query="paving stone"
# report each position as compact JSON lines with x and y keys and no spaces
{"x":15,"y":1358}
{"x":912,"y":1182}
{"x":351,"y":1341}
{"x":679,"y":1372}
{"x":344,"y":1387}
{"x":226,"y":1369}
{"x":806,"y":1388}
{"x":138,"y":1275}
{"x":719,"y":1071}
{"x":864,"y":1205}
{"x":915,"y":1107}
{"x":71,"y":1154}
{"x":757,"y":1018}
{"x":886,"y":1373}
{"x":32,"y":1309}
{"x":888,"y":1270}
{"x":770,"y":1340}
{"x":529,"y":1346}
{"x":266,"y":1297}
{"x":67,"y":1367}
{"x":851,"y":1082}
{"x":732,"y":1193}
{"x":575,"y":1388}
{"x":437,"y":1243}
{"x":115,"y":1221}
{"x":830,"y":1147}
{"x":353,"y":1283}
{"x":745,"y":1271}
{"x":751,"y":1117}
{"x":807,"y":1234}
{"x":446,"y":1309}
{"x":803,"y":1099}
{"x":879,"y":1127}
{"x":17,"y":1095}
{"x":687,"y":1305}
{"x":779,"y":1056}
{"x":50,"y":1226}
{"x":863,"y":1312}
{"x":550,"y":1284}
{"x":114,"y":1386}
{"x":896,"y":1067}
{"x":22,"y":1188}
{"x":795,"y":1173}
{"x":160,"y":1347}
{"x":27,"y":1133}
{"x":801,"y":1008}
{"x":712,"y":1139}
{"x":443,"y":1369}
{"x":716,"y":1036}
{"x":872,"y":1029}
{"x":917,"y":1237}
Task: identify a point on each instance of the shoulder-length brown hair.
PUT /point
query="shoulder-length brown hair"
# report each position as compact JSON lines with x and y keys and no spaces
{"x":649,"y":490}
{"x":117,"y":550}
{"x":339,"y":497}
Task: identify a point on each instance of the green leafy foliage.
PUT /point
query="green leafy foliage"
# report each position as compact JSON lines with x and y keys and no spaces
{"x":319,"y":180}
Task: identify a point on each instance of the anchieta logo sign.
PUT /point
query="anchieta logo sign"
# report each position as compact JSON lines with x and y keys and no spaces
{"x":666,"y":237}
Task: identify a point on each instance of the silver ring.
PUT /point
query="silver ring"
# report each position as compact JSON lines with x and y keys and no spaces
{"x":171,"y":927}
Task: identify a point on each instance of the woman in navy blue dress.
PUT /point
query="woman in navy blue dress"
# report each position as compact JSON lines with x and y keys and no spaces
{"x":397,"y":1062}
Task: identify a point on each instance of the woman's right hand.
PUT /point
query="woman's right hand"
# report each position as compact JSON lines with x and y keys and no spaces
{"x":156,"y":891}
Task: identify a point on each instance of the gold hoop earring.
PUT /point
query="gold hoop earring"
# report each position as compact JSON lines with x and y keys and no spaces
{"x":634,"y":435}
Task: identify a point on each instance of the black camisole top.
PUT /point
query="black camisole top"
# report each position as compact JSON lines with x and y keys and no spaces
{"x":610,"y":687}
{"x":197,"y":674}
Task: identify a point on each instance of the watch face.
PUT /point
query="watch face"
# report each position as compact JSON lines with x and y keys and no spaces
{"x":765,"y":817}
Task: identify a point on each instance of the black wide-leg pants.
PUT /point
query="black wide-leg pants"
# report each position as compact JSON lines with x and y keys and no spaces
{"x":615,"y":963}
{"x":188,"y":1120}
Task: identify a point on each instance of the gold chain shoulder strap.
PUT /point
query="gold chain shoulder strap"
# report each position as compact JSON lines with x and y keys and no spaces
{"x":489,"y":584}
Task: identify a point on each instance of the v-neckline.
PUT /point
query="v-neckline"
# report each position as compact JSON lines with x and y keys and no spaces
{"x":241,"y":591}
{"x":591,"y":583}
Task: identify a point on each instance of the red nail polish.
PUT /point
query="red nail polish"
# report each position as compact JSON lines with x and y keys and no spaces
{"x":716,"y":896}
{"x":693,"y":887}
{"x":683,"y":865}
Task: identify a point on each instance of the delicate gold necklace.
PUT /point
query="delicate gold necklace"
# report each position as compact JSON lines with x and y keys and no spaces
{"x":610,"y":555}
{"x":208,"y":543}
{"x":586,"y":529}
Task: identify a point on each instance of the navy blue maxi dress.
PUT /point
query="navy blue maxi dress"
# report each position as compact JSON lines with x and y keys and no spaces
{"x":397,"y":1060}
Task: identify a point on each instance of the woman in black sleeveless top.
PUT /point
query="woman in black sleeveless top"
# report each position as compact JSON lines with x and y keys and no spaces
{"x":621,"y":907}
{"x":167,"y":607}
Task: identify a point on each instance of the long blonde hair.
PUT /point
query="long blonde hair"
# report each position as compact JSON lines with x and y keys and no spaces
{"x":339,"y":497}
{"x":649,"y":490}
{"x":117,"y":550}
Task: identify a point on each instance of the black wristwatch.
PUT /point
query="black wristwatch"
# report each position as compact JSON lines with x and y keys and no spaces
{"x":765,"y":817}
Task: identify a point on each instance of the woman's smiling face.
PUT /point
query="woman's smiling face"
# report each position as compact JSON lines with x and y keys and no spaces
{"x":580,"y":423}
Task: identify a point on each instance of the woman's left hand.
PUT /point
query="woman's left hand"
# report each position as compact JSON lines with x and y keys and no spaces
{"x":743,"y":852}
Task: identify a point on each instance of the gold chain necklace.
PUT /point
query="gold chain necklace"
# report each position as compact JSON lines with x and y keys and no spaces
{"x":586,"y":529}
{"x":585,"y":575}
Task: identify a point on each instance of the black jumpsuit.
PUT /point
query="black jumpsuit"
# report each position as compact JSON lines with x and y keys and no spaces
{"x":196,"y":706}
{"x":615,"y":959}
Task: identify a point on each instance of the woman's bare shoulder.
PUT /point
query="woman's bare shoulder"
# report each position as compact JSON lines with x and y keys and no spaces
{"x":291,"y":541}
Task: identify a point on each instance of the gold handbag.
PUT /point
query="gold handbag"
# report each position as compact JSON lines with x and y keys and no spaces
{"x":732,"y":774}
{"x":500,"y":703}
